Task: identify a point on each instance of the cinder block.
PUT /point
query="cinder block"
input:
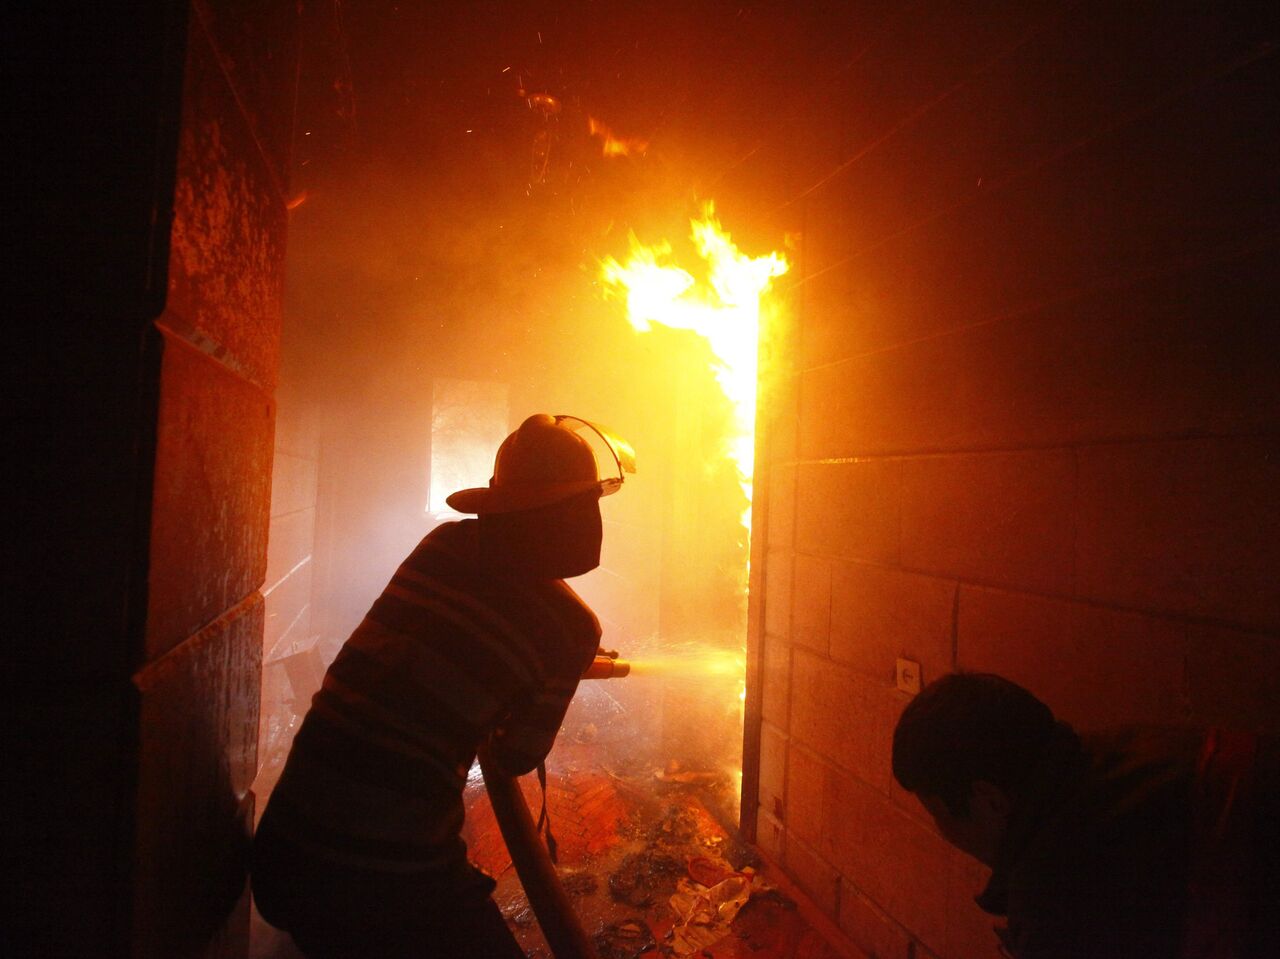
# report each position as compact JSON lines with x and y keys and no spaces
{"x":1123,"y":667}
{"x":782,"y":506}
{"x":1185,"y":527}
{"x":843,"y":716}
{"x":869,"y":928}
{"x":879,"y":614}
{"x":807,"y":780}
{"x":1160,"y":357}
{"x":1104,"y":66}
{"x":773,"y":769}
{"x":293,"y":481}
{"x":828,"y":298}
{"x":211,"y":495}
{"x":780,"y":401}
{"x":892,"y":859}
{"x":1234,"y":678}
{"x":290,"y":539}
{"x":771,"y":835}
{"x":226,"y":265}
{"x":903,"y":866}
{"x":199,"y":727}
{"x":288,"y":607}
{"x":777,"y":593}
{"x":901,"y":400}
{"x":817,"y":877}
{"x":1100,"y":214}
{"x":849,"y":510}
{"x":775,"y":682}
{"x":297,"y":417}
{"x":811,"y":602}
{"x":1002,"y":519}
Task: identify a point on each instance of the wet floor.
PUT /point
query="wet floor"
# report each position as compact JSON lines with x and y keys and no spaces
{"x":633,"y":831}
{"x":627,"y":841}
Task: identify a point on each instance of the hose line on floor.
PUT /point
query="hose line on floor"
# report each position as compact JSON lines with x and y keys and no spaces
{"x":560,"y":925}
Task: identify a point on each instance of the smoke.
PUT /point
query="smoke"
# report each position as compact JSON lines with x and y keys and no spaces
{"x":452,"y":233}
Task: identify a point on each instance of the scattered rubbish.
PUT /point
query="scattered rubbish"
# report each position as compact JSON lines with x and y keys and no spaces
{"x":678,"y":826}
{"x":704,"y":913}
{"x":625,"y":939}
{"x":642,"y":877}
{"x":710,"y":871}
{"x":579,"y":883}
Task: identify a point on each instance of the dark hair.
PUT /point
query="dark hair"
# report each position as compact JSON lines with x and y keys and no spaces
{"x":967,"y":727}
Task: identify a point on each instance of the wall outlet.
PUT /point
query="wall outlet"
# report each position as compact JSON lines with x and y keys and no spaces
{"x":907,"y":676}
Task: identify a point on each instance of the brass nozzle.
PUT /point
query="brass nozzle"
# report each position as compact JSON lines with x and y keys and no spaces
{"x":605,"y":667}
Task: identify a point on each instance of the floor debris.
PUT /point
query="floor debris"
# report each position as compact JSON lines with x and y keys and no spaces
{"x":643,"y":878}
{"x":652,"y":868}
{"x":626,"y":939}
{"x":705,"y":913}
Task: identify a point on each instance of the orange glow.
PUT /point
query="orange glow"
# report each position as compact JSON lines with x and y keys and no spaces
{"x":612,"y":146}
{"x":724,"y":308}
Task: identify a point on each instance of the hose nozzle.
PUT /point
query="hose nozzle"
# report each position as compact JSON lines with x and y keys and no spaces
{"x":607,"y":667}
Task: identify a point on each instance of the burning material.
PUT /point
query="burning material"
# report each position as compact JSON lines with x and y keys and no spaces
{"x":612,"y":146}
{"x":723,"y":307}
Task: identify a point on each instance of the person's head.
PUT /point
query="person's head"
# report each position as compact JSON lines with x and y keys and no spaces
{"x":540,"y":514}
{"x":966,"y":746}
{"x":555,"y":541}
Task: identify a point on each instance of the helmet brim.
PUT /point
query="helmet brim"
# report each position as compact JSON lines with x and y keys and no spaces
{"x":499,"y":499}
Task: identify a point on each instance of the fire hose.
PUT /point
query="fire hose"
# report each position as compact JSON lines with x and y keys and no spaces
{"x":559,"y":923}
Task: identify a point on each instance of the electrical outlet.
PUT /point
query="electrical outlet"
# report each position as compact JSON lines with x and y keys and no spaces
{"x":907,"y":676}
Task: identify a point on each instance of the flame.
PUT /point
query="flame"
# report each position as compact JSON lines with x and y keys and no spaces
{"x":724,"y":308}
{"x":612,"y":146}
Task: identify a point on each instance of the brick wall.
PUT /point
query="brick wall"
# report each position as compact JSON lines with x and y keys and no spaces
{"x":1026,"y":417}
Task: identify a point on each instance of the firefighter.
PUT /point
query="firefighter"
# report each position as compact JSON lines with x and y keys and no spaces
{"x":1137,"y":841}
{"x":477,"y":639}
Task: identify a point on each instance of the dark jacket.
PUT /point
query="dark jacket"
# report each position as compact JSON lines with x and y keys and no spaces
{"x":369,"y":808}
{"x":1141,"y":843}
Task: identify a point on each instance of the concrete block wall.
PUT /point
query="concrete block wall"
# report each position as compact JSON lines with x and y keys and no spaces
{"x":1026,"y":418}
{"x":199,"y":679}
{"x":292,"y":660}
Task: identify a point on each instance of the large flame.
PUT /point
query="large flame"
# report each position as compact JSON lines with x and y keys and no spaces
{"x":724,"y":307}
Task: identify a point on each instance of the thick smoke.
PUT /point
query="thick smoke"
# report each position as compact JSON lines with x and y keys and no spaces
{"x":451,"y":231}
